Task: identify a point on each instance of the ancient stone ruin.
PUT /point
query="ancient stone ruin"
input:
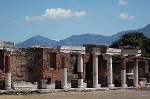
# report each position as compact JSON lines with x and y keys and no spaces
{"x":88,"y":66}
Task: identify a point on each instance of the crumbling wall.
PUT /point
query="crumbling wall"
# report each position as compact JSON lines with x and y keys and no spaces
{"x":55,"y":73}
{"x":142,"y":67}
{"x":102,"y":68}
{"x":1,"y":65}
{"x":27,"y":64}
{"x":33,"y":64}
{"x":49,"y":72}
{"x":22,"y":60}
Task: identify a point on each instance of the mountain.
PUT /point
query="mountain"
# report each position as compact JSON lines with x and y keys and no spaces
{"x":37,"y":41}
{"x":79,"y":40}
{"x":145,"y":31}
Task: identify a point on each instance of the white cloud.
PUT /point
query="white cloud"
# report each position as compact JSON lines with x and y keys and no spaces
{"x":125,"y":16}
{"x":54,"y":13}
{"x":122,"y":2}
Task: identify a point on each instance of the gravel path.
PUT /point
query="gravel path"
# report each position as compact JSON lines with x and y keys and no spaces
{"x":108,"y":94}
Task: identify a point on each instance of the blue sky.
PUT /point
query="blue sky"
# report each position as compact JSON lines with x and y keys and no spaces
{"x":59,"y":19}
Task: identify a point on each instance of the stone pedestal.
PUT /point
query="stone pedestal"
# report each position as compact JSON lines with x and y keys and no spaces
{"x":74,"y":83}
{"x":111,"y":85}
{"x":57,"y":84}
{"x":42,"y":84}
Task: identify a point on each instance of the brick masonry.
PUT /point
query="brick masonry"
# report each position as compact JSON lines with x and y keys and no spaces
{"x":33,"y":64}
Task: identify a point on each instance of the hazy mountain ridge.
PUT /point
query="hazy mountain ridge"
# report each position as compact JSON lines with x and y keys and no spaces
{"x":79,"y":40}
{"x":37,"y":41}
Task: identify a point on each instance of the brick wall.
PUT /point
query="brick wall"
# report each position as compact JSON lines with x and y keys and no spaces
{"x":22,"y":62}
{"x":1,"y":64}
{"x":32,"y":64}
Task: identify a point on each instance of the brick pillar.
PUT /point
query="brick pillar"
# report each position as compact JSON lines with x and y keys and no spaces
{"x":80,"y":71}
{"x":3,"y":61}
{"x":64,"y":73}
{"x":109,"y":71}
{"x":135,"y":71}
{"x":7,"y":73}
{"x":95,"y":71}
{"x":123,"y":72}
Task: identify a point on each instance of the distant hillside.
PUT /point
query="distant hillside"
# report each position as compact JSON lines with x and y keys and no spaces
{"x":145,"y":31}
{"x":37,"y":41}
{"x":79,"y":40}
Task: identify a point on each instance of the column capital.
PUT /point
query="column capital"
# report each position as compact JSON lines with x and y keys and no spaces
{"x":136,"y":56}
{"x":64,"y":62}
{"x":7,"y":53}
{"x":109,"y":55}
{"x":123,"y":56}
{"x":95,"y":54}
{"x":64,"y":54}
{"x":7,"y":64}
{"x":80,"y":53}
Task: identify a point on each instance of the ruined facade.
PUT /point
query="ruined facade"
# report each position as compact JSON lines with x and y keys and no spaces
{"x":35,"y":63}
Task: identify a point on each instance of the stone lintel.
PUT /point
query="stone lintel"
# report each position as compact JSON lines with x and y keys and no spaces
{"x":124,"y":55}
{"x":130,"y":51}
{"x":95,"y":45}
{"x":71,"y":49}
{"x":73,"y":52}
{"x":96,"y":50}
{"x":113,"y":51}
{"x":96,"y":53}
{"x":8,"y":53}
{"x":138,"y":55}
{"x":8,"y":46}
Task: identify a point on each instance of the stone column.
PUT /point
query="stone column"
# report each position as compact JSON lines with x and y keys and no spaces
{"x":109,"y":72}
{"x":135,"y":71}
{"x":7,"y":73}
{"x":64,"y":73}
{"x":80,"y":71}
{"x":123,"y":71}
{"x":95,"y":71}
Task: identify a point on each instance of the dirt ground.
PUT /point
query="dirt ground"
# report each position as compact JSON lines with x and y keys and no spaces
{"x":108,"y":94}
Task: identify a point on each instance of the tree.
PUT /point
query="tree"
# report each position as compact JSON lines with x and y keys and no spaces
{"x":146,"y":48}
{"x":136,"y":39}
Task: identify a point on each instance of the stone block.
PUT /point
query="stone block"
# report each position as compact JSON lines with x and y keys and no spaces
{"x":74,"y":83}
{"x":42,"y":84}
{"x":89,"y":84}
{"x":2,"y":84}
{"x":57,"y":84}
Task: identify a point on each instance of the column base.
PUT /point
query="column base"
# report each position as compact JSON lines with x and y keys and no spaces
{"x":8,"y":88}
{"x":80,"y":83}
{"x":111,"y":85}
{"x":80,"y":86}
{"x":136,"y":85}
{"x":97,"y":86}
{"x":124,"y":86}
{"x":64,"y":87}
